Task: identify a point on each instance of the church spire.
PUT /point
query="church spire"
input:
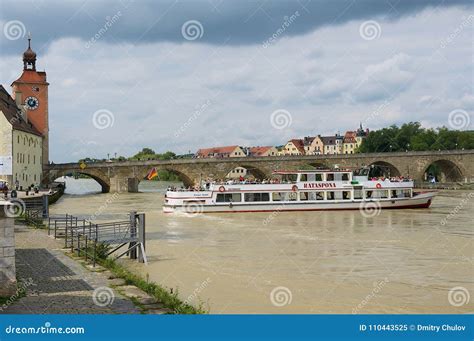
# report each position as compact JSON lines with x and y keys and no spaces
{"x":29,"y":57}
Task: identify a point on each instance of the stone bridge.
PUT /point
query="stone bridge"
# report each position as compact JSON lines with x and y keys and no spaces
{"x":454,"y":165}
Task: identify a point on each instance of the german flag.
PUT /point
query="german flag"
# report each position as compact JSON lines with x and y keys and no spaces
{"x":152,"y":174}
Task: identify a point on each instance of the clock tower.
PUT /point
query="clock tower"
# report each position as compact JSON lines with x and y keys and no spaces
{"x":31,"y":92}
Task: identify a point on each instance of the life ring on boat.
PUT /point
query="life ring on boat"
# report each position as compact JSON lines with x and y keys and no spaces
{"x":378,"y":186}
{"x":294,"y":188}
{"x":222,"y":189}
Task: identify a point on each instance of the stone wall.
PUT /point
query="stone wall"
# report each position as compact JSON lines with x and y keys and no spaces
{"x":7,"y":255}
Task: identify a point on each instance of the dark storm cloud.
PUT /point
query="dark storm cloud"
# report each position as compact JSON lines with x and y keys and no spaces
{"x":224,"y":22}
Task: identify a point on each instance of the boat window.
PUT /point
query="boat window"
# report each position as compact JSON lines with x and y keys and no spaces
{"x":345,"y":176}
{"x":368,"y":194}
{"x":278,"y":196}
{"x":318,"y":177}
{"x":407,"y":193}
{"x":257,"y":196}
{"x":330,"y":177}
{"x":284,"y":196}
{"x":330,"y":195}
{"x":304,"y":196}
{"x":346,"y":195}
{"x":357,"y":194}
{"x":380,"y":194}
{"x":319,"y":195}
{"x":229,"y":197}
{"x":304,"y":177}
{"x":289,"y":178}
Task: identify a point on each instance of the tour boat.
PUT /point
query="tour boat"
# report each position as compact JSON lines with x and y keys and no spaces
{"x":303,"y":190}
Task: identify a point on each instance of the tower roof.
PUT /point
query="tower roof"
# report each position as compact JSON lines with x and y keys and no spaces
{"x":29,"y":57}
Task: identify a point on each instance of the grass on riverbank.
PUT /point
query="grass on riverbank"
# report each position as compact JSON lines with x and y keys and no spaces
{"x":169,"y":299}
{"x":165,"y":296}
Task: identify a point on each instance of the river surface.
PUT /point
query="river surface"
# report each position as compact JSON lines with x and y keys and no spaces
{"x":399,"y":261}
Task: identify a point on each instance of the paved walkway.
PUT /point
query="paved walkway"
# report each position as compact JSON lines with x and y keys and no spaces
{"x":57,"y":284}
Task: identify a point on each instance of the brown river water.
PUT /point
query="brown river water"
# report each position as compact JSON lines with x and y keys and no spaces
{"x":399,"y":261}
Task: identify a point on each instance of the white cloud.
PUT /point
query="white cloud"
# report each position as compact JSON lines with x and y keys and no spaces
{"x":329,"y":80}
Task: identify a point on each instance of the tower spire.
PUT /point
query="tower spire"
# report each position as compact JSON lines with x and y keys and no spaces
{"x":29,"y":57}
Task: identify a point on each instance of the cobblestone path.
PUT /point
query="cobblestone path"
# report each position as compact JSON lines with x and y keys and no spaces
{"x":56,"y":284}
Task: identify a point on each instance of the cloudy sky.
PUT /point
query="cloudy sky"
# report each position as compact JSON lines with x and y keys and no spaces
{"x":180,"y":75}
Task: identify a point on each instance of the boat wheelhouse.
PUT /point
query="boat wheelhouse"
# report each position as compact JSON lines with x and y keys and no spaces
{"x":303,"y":190}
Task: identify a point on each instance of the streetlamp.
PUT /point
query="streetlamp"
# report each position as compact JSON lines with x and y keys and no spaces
{"x":108,"y":156}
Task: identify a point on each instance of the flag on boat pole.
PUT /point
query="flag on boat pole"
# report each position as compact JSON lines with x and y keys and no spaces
{"x":152,"y":174}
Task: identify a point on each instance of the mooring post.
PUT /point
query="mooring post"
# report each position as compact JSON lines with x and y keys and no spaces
{"x":141,"y":238}
{"x":45,"y":206}
{"x":133,"y":233}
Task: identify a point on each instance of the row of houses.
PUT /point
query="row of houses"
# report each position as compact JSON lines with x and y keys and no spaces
{"x":309,"y":145}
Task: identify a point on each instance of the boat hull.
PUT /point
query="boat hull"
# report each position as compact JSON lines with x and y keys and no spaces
{"x":422,"y":200}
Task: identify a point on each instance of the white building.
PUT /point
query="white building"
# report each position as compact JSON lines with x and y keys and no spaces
{"x":21,"y":144}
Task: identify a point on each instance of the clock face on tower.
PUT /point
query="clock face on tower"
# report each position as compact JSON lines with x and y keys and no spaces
{"x":32,"y":103}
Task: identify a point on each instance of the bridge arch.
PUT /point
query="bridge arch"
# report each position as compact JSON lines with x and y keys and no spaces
{"x":444,"y":171}
{"x":187,"y":179}
{"x":99,"y":177}
{"x":255,"y":171}
{"x":383,"y":168}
